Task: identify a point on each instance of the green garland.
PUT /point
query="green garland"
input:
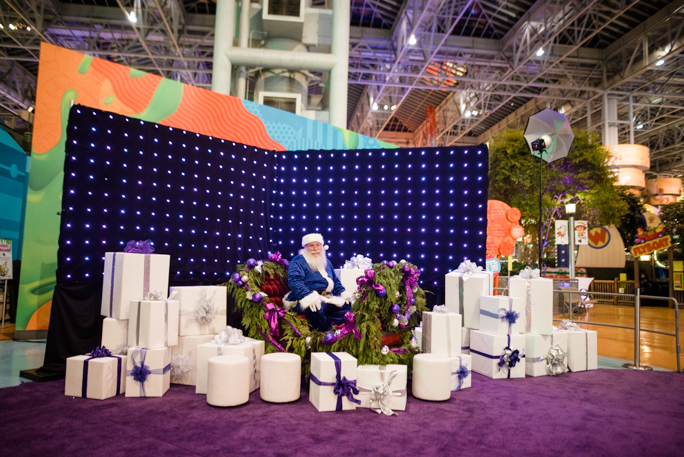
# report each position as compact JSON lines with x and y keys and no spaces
{"x":373,"y":315}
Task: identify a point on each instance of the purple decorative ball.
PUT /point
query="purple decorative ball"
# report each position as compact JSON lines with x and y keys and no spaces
{"x":413,"y":300}
{"x":236,"y":277}
{"x":395,"y":308}
{"x":382,"y":292}
{"x":328,"y":337}
{"x":385,"y":262}
{"x":407,"y":316}
{"x":257,"y":297}
{"x":240,"y":283}
{"x":391,"y":264}
{"x":251,"y":263}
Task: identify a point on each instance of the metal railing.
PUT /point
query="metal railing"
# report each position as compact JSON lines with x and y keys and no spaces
{"x":636,"y":298}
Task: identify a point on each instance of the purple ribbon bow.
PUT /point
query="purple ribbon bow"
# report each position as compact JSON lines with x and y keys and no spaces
{"x":411,"y":282}
{"x":277,"y":257}
{"x":509,"y":358}
{"x":461,"y":374}
{"x":139,"y":247}
{"x":273,"y":315}
{"x":342,"y":387}
{"x":509,"y":315}
{"x":100,"y":351}
{"x":142,"y":371}
{"x":97,"y":353}
{"x":348,"y":327}
{"x":369,"y":280}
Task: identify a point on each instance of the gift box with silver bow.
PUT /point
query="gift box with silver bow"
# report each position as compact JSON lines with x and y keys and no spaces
{"x":463,"y":290}
{"x":501,"y":315}
{"x":582,"y":347}
{"x":461,"y":374}
{"x":95,"y":378}
{"x":333,"y":381}
{"x":537,"y":297}
{"x":229,"y":341}
{"x":148,"y":372}
{"x":131,"y":276}
{"x":382,"y":387}
{"x":441,"y":332}
{"x":184,"y":359}
{"x":153,"y":323}
{"x":202,"y":309}
{"x":536,"y":348}
{"x":115,"y":335}
{"x":498,"y":356}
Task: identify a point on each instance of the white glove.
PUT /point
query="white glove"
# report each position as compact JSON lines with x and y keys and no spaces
{"x":346,"y":296}
{"x":337,"y":301}
{"x":311,"y":301}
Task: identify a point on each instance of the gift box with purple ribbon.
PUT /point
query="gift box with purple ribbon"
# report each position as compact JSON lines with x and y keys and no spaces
{"x":464,"y":288}
{"x":98,"y":375}
{"x":148,"y":373}
{"x":153,"y":323}
{"x":537,"y":297}
{"x":333,"y":381}
{"x":461,"y":374}
{"x":202,"y":309}
{"x":441,"y":332}
{"x":498,"y":356}
{"x":501,"y":315}
{"x":131,"y":275}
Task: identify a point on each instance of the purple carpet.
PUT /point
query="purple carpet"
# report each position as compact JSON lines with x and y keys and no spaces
{"x":595,"y":413}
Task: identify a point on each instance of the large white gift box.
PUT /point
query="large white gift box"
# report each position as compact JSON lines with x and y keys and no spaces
{"x":98,"y":378}
{"x":327,"y":369}
{"x":184,"y":359}
{"x":463,"y":292}
{"x":502,"y":315}
{"x":148,"y":373}
{"x":536,"y":348}
{"x":465,"y":340}
{"x":388,"y":379}
{"x":560,"y":338}
{"x":487,"y":349}
{"x":461,"y":374}
{"x":248,"y":347}
{"x":202,"y":309}
{"x":441,"y":332}
{"x":582,"y":351}
{"x":130,"y":276}
{"x":153,"y":323}
{"x":537,"y":297}
{"x":115,"y":335}
{"x":347,"y":277}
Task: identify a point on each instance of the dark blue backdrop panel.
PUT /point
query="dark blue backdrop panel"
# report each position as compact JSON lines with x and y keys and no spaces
{"x":203,"y":200}
{"x":425,"y":205}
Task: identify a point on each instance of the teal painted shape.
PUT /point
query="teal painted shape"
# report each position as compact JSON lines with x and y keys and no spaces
{"x":14,"y":168}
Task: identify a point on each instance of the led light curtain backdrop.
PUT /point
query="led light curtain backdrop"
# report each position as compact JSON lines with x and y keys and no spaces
{"x":212,"y":203}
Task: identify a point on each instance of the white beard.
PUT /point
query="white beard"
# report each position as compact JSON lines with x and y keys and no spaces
{"x":318,"y":263}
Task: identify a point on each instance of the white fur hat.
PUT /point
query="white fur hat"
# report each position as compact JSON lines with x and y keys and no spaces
{"x":312,"y":237}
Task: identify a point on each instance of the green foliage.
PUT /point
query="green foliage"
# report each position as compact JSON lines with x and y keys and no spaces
{"x":516,"y":268}
{"x":372,"y":313}
{"x":582,"y":177}
{"x":631,"y":219}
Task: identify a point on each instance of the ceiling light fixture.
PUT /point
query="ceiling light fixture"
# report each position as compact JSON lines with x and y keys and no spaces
{"x":540,"y":52}
{"x":660,"y":62}
{"x":640,"y":126}
{"x":412,"y":40}
{"x":133,"y":17}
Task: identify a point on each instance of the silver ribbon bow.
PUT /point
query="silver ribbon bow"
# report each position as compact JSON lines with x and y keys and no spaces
{"x":229,"y":336}
{"x":555,"y":361}
{"x":180,"y":366}
{"x":381,"y":394}
{"x":441,"y":309}
{"x":567,"y":324}
{"x":154,"y":295}
{"x":412,"y":309}
{"x":468,"y":268}
{"x":529,"y":273}
{"x":120,"y":350}
{"x":358,"y":261}
{"x":205,"y":311}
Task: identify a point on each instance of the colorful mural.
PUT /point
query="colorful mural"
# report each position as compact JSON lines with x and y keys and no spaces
{"x":66,"y":77}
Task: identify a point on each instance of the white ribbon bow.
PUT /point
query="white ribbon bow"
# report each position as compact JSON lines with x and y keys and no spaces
{"x":529,"y":273}
{"x":359,"y":261}
{"x":468,"y":268}
{"x":441,"y":309}
{"x":568,"y":325}
{"x":229,"y":336}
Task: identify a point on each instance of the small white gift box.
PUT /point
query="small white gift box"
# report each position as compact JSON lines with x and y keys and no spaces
{"x":184,"y":359}
{"x":327,"y":369}
{"x":498,"y":356}
{"x":582,"y":351}
{"x":148,"y":373}
{"x":441,"y":332}
{"x":202,"y":309}
{"x":461,"y":374}
{"x":560,"y":338}
{"x":536,"y":349}
{"x":347,"y":277}
{"x":153,"y":323}
{"x":537,"y":297}
{"x":463,"y":292}
{"x":129,"y":276}
{"x":418,"y":335}
{"x":95,"y":377}
{"x":115,"y":335}
{"x":465,"y":340}
{"x":382,"y":387}
{"x":248,"y":347}
{"x":501,"y":315}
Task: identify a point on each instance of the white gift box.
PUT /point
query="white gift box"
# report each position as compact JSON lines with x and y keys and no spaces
{"x":153,"y":323}
{"x":198,"y":301}
{"x":347,"y":277}
{"x":536,"y":348}
{"x":538,"y":303}
{"x":418,"y":334}
{"x":115,"y":335}
{"x":582,"y":350}
{"x":184,"y":359}
{"x":461,"y":374}
{"x":465,"y":340}
{"x":98,"y":378}
{"x":251,"y":348}
{"x":462,"y":295}
{"x":560,"y":338}
{"x":441,"y":333}
{"x":324,"y":371}
{"x":486,"y":350}
{"x":494,"y":309}
{"x":158,"y":381}
{"x":369,"y":376}
{"x":129,"y":276}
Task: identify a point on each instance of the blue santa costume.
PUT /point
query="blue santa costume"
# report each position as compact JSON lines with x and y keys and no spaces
{"x":318,"y":294}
